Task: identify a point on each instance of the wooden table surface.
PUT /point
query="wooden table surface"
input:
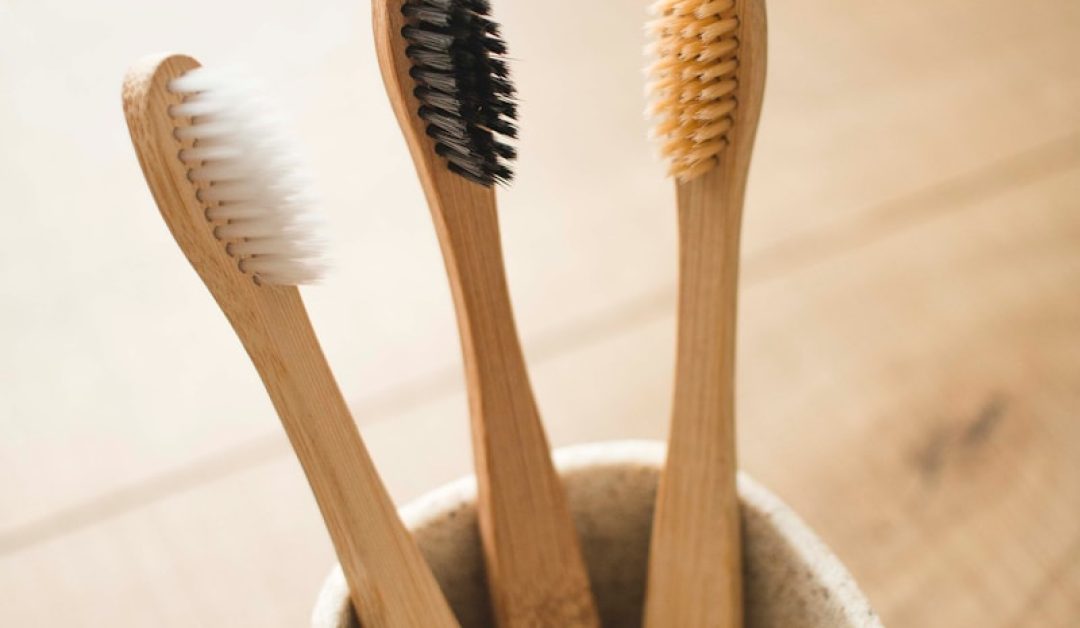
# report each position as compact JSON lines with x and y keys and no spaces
{"x":909,"y":373}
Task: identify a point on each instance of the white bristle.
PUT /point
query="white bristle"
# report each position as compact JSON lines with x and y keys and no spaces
{"x":250,"y":180}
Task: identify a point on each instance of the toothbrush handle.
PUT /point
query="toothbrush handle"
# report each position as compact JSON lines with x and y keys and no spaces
{"x":391,"y":584}
{"x":694,"y":571}
{"x":536,"y":572}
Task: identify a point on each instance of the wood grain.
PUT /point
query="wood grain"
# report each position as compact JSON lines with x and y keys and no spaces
{"x":535,"y":569}
{"x":586,"y":228}
{"x":695,"y":574}
{"x":932,"y":441}
{"x":895,"y":235}
{"x":388,"y":577}
{"x":857,"y":399}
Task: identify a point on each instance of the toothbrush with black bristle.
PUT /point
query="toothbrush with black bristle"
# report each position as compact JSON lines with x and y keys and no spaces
{"x":224,"y":181}
{"x":445,"y":72}
{"x":708,"y":76}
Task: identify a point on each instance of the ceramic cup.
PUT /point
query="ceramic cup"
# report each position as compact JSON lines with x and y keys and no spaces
{"x":791,"y":579}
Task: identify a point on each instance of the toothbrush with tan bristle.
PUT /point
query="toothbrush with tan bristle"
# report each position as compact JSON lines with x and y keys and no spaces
{"x":442,"y":62}
{"x":216,"y":166}
{"x":706,"y":88}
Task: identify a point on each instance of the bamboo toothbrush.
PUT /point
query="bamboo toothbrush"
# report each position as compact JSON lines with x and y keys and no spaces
{"x":216,"y":168}
{"x":706,"y":91}
{"x":442,"y":62}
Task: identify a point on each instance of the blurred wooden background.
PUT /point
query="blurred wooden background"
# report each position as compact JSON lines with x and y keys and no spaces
{"x":910,"y":324}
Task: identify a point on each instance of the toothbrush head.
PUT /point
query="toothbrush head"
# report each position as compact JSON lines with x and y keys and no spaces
{"x":233,"y":174}
{"x":461,"y":80}
{"x":694,"y":81}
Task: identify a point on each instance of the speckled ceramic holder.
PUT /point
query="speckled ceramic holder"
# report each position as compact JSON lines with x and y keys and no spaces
{"x":791,"y":579}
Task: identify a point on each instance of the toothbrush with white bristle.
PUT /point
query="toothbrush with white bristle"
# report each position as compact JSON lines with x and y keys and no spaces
{"x":222,"y":177}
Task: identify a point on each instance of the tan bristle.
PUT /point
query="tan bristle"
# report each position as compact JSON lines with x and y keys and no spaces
{"x":692,"y":82}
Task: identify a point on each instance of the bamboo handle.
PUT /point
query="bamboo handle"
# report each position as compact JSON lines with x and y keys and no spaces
{"x":694,"y":577}
{"x":390,"y":582}
{"x":535,"y":568}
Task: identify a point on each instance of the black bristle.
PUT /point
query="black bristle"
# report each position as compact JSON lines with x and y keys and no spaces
{"x":505,"y":151}
{"x":440,"y":81}
{"x":439,"y":61}
{"x":438,"y":100}
{"x":463,"y":86}
{"x":426,"y":14}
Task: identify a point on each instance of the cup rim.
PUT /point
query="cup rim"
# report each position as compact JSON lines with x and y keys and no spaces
{"x":332,"y":602}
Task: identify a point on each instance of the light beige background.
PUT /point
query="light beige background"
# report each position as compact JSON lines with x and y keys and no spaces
{"x":908,"y":377}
